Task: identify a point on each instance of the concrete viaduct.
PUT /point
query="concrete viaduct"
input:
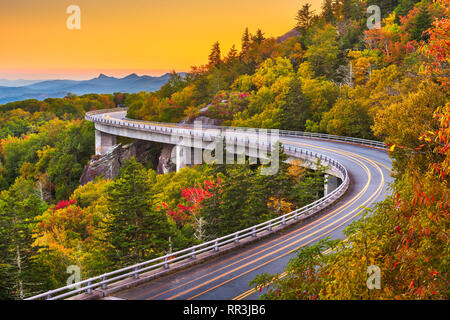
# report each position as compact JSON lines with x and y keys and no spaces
{"x":222,"y":268}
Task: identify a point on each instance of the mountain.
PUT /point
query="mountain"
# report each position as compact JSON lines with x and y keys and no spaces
{"x":288,"y":35}
{"x":102,"y":84}
{"x":16,"y":83}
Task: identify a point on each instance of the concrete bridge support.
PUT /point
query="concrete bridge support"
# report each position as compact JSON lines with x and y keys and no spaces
{"x":181,"y":156}
{"x":104,"y":142}
{"x":331,"y":183}
{"x":184,"y":156}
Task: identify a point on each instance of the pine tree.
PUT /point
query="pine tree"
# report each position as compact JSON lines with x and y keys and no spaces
{"x":404,"y":6}
{"x":136,"y":230}
{"x":304,"y":18}
{"x":18,"y":208}
{"x":311,"y":187}
{"x":232,"y":55}
{"x":421,"y":23}
{"x":245,"y":41}
{"x":296,"y":108}
{"x":327,"y":11}
{"x":347,"y":9}
{"x":214,"y":56}
{"x":259,"y":36}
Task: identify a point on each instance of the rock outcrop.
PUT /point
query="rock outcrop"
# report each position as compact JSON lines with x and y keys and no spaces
{"x":109,"y":164}
{"x":165,"y":163}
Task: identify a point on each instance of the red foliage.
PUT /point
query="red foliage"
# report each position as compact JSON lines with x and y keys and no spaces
{"x":63,"y":204}
{"x":224,"y":105}
{"x":194,"y":196}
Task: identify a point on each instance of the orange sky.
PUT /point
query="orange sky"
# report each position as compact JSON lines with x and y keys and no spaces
{"x":119,"y":37}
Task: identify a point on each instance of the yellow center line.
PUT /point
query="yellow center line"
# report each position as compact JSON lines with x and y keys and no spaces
{"x":275,"y":251}
{"x":289,"y":252}
{"x":319,"y":221}
{"x":281,"y":276}
{"x":309,"y":227}
{"x":378,"y":191}
{"x":251,"y":291}
{"x":349,"y":154}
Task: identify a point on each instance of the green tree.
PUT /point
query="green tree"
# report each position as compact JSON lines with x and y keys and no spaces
{"x":19,"y":276}
{"x":259,"y":36}
{"x":322,"y":53}
{"x":327,"y":11}
{"x":136,"y":230}
{"x":421,"y":23}
{"x":245,"y":42}
{"x":311,"y":187}
{"x":296,"y":109}
{"x":304,"y":18}
{"x":214,"y":59}
{"x":174,"y":84}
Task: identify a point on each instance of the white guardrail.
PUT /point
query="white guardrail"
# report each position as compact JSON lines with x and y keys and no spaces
{"x":101,"y":282}
{"x":186,"y":129}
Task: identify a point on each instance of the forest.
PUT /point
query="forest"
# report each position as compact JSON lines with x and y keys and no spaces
{"x":331,"y":75}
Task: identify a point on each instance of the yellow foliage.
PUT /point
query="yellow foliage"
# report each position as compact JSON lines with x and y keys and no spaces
{"x":295,"y":170}
{"x":280,"y":205}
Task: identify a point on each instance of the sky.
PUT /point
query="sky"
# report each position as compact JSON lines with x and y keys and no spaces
{"x":119,"y":37}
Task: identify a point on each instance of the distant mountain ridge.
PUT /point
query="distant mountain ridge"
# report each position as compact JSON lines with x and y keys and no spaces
{"x":102,"y":84}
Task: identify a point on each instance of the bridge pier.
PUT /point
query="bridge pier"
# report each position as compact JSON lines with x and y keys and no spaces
{"x":104,"y":142}
{"x":184,"y":156}
{"x":181,"y":155}
{"x":331,"y":183}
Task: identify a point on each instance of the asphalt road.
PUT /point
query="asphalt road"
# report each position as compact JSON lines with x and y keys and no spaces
{"x":227,"y":277}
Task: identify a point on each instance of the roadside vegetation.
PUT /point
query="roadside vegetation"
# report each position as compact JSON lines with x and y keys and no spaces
{"x":333,"y":76}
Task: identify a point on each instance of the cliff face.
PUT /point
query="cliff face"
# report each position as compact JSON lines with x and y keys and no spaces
{"x":165,"y":163}
{"x":109,"y":164}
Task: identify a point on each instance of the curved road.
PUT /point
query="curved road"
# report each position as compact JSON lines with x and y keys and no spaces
{"x":227,"y":276}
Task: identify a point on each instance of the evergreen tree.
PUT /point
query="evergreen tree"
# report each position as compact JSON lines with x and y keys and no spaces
{"x":296,"y":108}
{"x":214,"y":56}
{"x":421,"y":23}
{"x":404,"y":6}
{"x":346,"y":9}
{"x":136,"y":230}
{"x":304,"y":18}
{"x":259,"y":36}
{"x":174,"y":84}
{"x":245,"y":41}
{"x":18,"y":273}
{"x":232,"y":56}
{"x":310,"y":188}
{"x":240,"y":201}
{"x":327,"y":11}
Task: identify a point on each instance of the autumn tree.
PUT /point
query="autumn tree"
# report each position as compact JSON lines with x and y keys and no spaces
{"x":323,"y":50}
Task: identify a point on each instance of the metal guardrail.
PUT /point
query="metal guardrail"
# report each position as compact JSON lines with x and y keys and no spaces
{"x":102,"y":281}
{"x":187,"y":129}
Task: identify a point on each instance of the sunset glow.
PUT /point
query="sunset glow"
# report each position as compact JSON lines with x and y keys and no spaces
{"x":119,"y":37}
